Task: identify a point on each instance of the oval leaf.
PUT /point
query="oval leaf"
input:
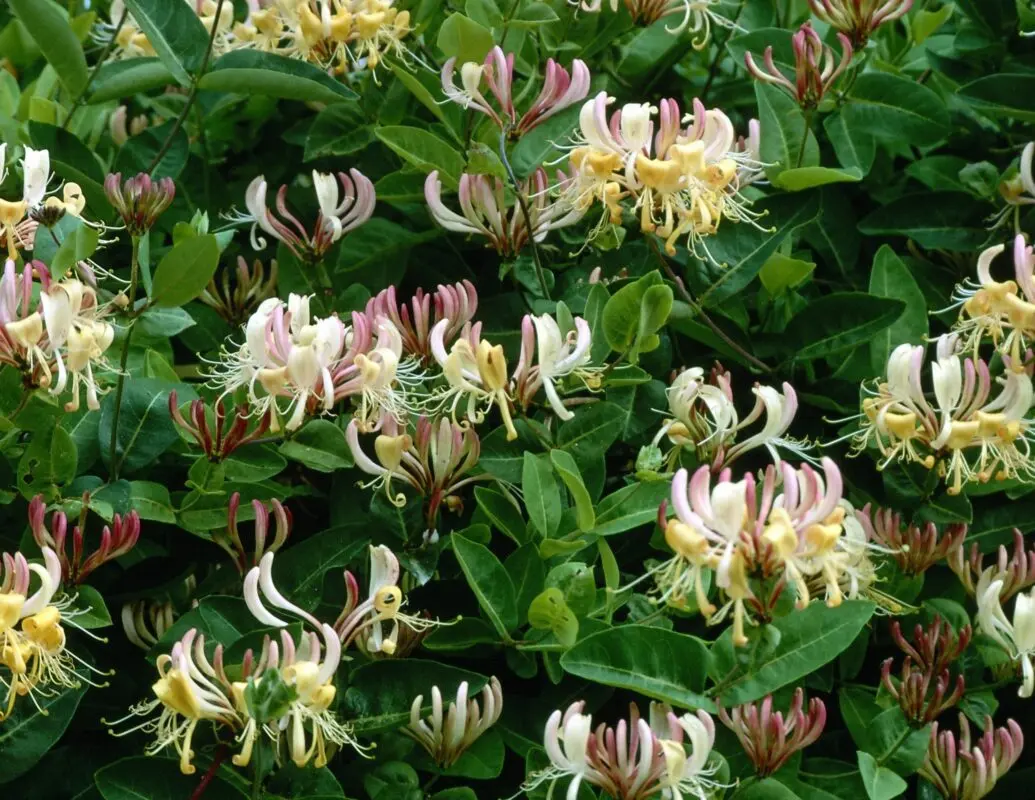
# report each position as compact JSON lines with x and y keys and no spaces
{"x":490,"y":582}
{"x":175,"y":33}
{"x":50,"y":29}
{"x":251,"y":72}
{"x":185,"y":271}
{"x":839,"y":322}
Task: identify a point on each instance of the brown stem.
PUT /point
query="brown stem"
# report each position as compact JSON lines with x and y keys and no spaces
{"x":688,"y":298}
{"x":210,"y":775}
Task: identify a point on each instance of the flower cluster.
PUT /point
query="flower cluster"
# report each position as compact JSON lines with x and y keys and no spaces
{"x":19,"y":219}
{"x":340,"y":35}
{"x":116,"y":540}
{"x":914,"y":548}
{"x":1016,"y":636}
{"x":681,"y":181}
{"x":1016,"y":570}
{"x":238,"y":292}
{"x":770,"y":738}
{"x":814,"y":67}
{"x":697,"y":16}
{"x":34,"y":655}
{"x":62,"y":335}
{"x":345,"y":202}
{"x":858,"y":19}
{"x":449,"y":732}
{"x":217,"y":439}
{"x":630,"y":761}
{"x":737,"y":529}
{"x":965,"y":434}
{"x":922,"y":691}
{"x":704,"y":417}
{"x":967,"y":770}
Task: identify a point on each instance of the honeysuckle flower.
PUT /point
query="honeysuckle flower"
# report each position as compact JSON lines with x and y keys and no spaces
{"x":487,"y":213}
{"x":220,"y":443}
{"x":36,"y":175}
{"x":145,"y":621}
{"x":449,"y":731}
{"x":435,"y":461}
{"x":121,"y":127}
{"x":969,"y":770}
{"x":1017,"y":637}
{"x":116,"y":540}
{"x":915,"y":548}
{"x":189,"y":690}
{"x":561,"y":89}
{"x":1003,"y":311}
{"x":702,"y":412}
{"x":1016,"y":570}
{"x":1019,"y":191}
{"x":814,"y":66}
{"x":238,"y":292}
{"x":476,"y":377}
{"x":687,"y":776}
{"x":770,"y":737}
{"x":779,"y":409}
{"x":245,"y":558}
{"x":366,"y":622}
{"x":457,"y":302}
{"x":696,"y":15}
{"x":566,"y":739}
{"x":556,"y":355}
{"x":858,"y":19}
{"x":17,"y":230}
{"x":139,"y":200}
{"x":288,"y":354}
{"x":964,"y":434}
{"x":925,"y":677}
{"x":345,"y":201}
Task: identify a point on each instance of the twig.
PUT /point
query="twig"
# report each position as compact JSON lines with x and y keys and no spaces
{"x":523,"y":202}
{"x":804,"y":138}
{"x":210,"y":775}
{"x":688,"y":298}
{"x":191,"y":96}
{"x":81,"y":97}
{"x":713,"y":69}
{"x":506,"y":21}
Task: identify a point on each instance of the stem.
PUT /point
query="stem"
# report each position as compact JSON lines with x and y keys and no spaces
{"x":192,"y":95}
{"x":506,"y":21}
{"x":210,"y":775}
{"x":688,"y":298}
{"x":134,"y":275}
{"x":81,"y":97}
{"x":523,"y":202}
{"x":804,"y":137}
{"x":206,"y":177}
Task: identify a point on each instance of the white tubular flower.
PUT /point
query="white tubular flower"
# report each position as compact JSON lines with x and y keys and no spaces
{"x":1016,"y":637}
{"x":189,"y":690}
{"x":476,"y":376}
{"x":566,"y":739}
{"x":446,"y":736}
{"x":688,"y":776}
{"x":557,"y":356}
{"x":779,"y":409}
{"x":36,"y":173}
{"x":703,"y":415}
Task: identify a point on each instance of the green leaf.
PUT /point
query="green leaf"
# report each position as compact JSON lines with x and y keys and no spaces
{"x":549,"y":611}
{"x":140,"y":151}
{"x":660,"y":664}
{"x":1002,"y":95}
{"x":320,"y":445}
{"x":541,"y":493}
{"x":339,"y":130}
{"x":32,"y":730}
{"x":380,"y":693}
{"x":630,"y":507}
{"x":145,"y":778}
{"x":152,"y":502}
{"x":895,"y":109}
{"x":176,"y":34}
{"x":592,"y":432}
{"x":783,"y":130}
{"x":48,"y":464}
{"x":146,"y":429}
{"x":73,"y":161}
{"x":90,"y":611}
{"x":464,"y":39}
{"x":566,"y":467}
{"x":795,"y":180}
{"x":50,"y":29}
{"x":78,"y":246}
{"x":184,"y":272}
{"x":302,"y":566}
{"x":502,"y":513}
{"x":840,"y":321}
{"x":623,"y":312}
{"x":251,"y":72}
{"x":526,"y":570}
{"x":936,"y":220}
{"x":163,"y":323}
{"x":782,"y":272}
{"x":855,"y":148}
{"x":808,"y":639}
{"x":427,"y":88}
{"x":490,"y":582}
{"x":118,"y":79}
{"x":377,"y":242}
{"x":890,"y":277}
{"x":425,"y":151}
{"x":880,"y":782}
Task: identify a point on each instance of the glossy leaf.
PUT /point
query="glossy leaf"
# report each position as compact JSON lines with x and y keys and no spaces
{"x":841,"y":321}
{"x":50,"y":29}
{"x":184,"y":272}
{"x":176,"y":34}
{"x":489,"y":581}
{"x":251,"y":72}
